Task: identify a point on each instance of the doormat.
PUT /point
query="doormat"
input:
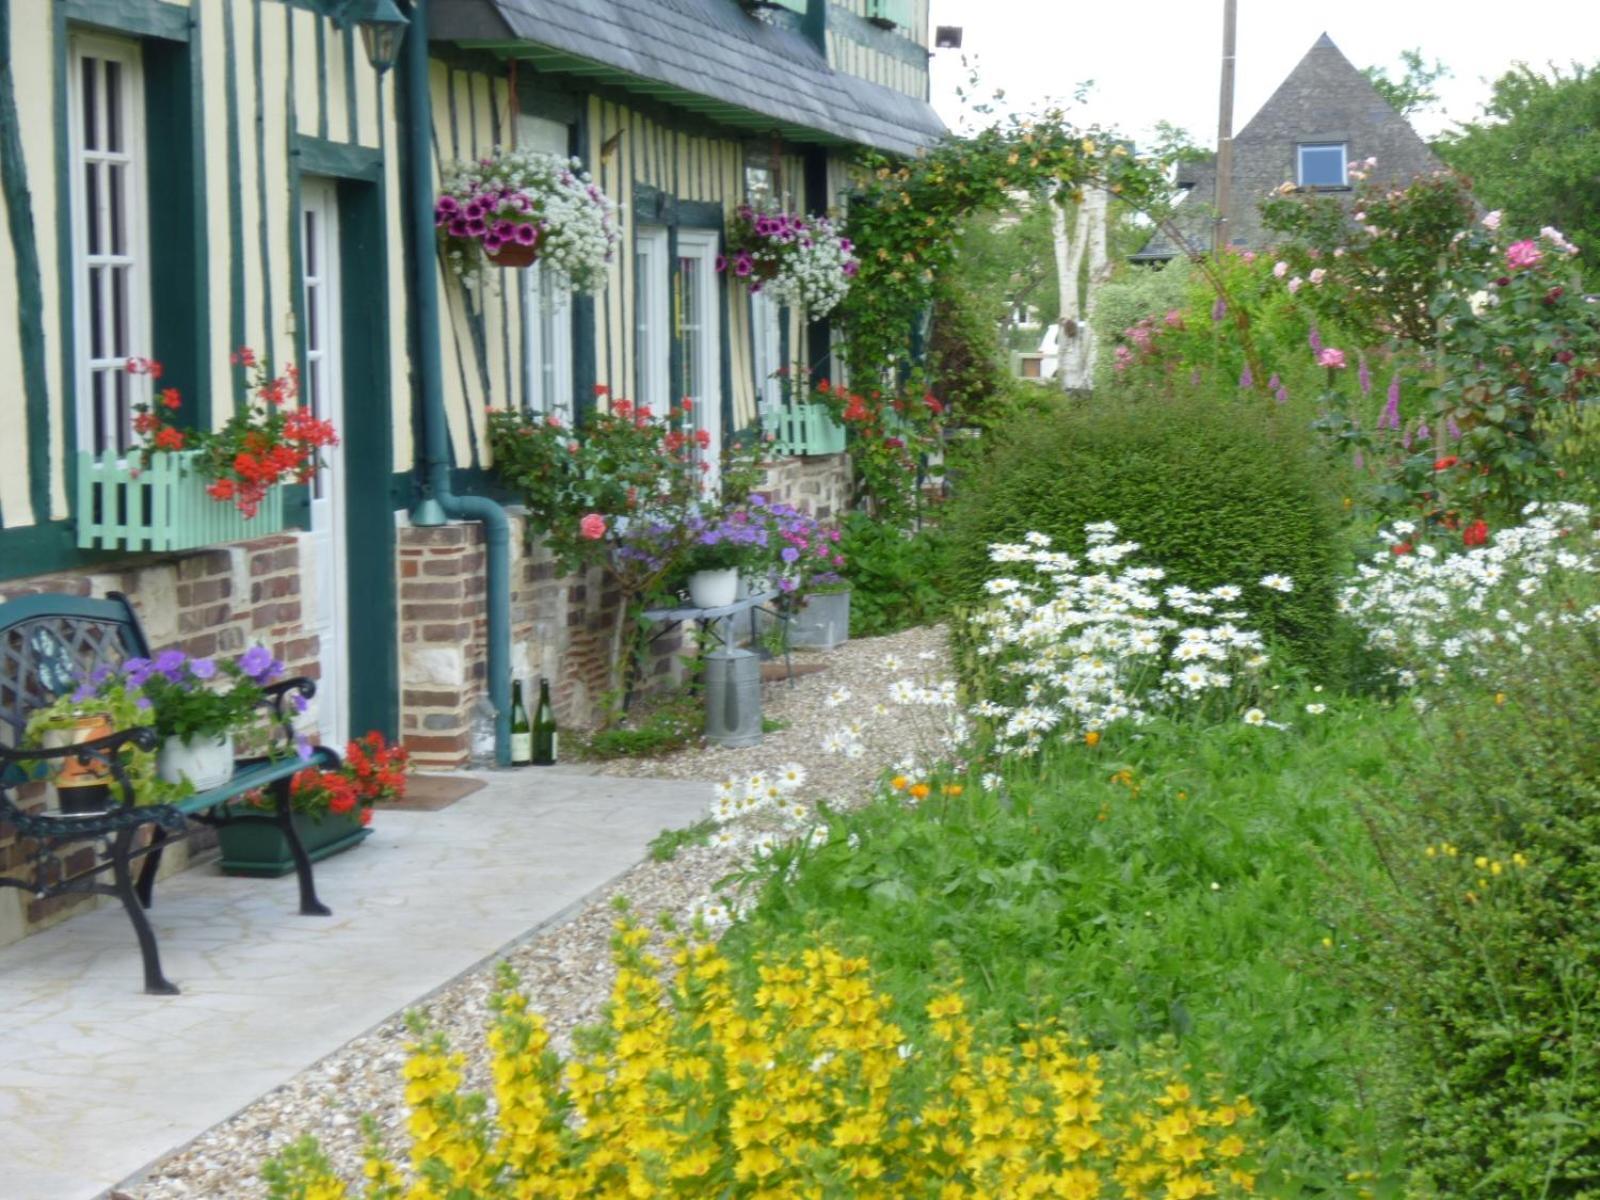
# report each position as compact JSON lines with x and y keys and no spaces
{"x":430,"y":793}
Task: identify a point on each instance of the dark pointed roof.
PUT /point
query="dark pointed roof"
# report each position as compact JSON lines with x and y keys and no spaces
{"x":709,"y":56}
{"x":1324,"y":99}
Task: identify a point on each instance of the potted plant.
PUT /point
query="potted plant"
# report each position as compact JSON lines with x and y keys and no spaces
{"x":814,"y":598}
{"x":198,"y":703}
{"x":101,"y":705}
{"x":330,"y":809}
{"x":514,"y":207}
{"x":717,"y":550}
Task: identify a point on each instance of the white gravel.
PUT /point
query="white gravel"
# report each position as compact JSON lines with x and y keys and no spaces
{"x":565,"y":969}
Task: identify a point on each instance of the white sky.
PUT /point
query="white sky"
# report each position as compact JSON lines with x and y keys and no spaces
{"x":1160,"y":59}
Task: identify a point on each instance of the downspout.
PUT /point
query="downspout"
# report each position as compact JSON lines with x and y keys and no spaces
{"x":439,"y":502}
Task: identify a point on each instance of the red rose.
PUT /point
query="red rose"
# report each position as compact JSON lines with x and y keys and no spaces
{"x":1445,"y":463}
{"x":1475,"y":534}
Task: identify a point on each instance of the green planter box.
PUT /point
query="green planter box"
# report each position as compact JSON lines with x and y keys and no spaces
{"x":162,"y":507}
{"x":262,"y":850}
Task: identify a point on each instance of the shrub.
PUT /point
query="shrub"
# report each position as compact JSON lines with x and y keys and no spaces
{"x":793,"y":1079}
{"x":1484,"y":946}
{"x":895,"y":576}
{"x":1216,"y":491}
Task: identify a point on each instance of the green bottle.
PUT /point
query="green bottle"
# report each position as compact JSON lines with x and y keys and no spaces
{"x":545,"y":736}
{"x":521,"y":731}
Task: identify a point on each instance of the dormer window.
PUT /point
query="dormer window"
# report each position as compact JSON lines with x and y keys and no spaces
{"x":1322,"y":165}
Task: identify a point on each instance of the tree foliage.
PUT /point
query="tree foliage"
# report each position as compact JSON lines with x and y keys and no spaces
{"x":1538,"y":155}
{"x":1413,"y":91}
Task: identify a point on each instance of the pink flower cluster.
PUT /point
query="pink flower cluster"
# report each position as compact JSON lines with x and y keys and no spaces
{"x":495,"y":216}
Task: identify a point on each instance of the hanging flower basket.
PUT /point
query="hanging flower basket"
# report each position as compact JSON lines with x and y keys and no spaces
{"x":794,"y":259}
{"x":514,"y":206}
{"x":515,"y":255}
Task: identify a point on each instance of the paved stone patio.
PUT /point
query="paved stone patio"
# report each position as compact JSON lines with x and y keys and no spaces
{"x":100,"y":1080}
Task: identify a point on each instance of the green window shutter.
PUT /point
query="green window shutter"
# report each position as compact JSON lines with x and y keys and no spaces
{"x":889,"y":13}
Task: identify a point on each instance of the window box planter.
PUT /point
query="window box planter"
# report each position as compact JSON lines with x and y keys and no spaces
{"x":122,"y":506}
{"x":807,"y":429}
{"x":262,"y":850}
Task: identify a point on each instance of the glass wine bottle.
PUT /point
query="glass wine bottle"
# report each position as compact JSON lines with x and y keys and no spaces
{"x":545,"y":736}
{"x":521,"y":730}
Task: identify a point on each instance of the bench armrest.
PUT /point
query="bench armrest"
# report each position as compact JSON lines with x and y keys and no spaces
{"x":286,"y":698}
{"x":101,"y":749}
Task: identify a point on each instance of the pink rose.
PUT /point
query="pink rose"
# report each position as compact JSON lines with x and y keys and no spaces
{"x":593,"y":527}
{"x":1318,"y":275}
{"x":1329,"y":357}
{"x":1492,"y":220}
{"x":1296,"y":284}
{"x":1523,"y":254}
{"x":1280,"y":269}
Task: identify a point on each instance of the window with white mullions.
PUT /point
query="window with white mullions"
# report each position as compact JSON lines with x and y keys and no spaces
{"x":652,"y":335}
{"x":699,"y":342}
{"x":315,"y":385}
{"x":549,"y":329}
{"x":110,"y":255}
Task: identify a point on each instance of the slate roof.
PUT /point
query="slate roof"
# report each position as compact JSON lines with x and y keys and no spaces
{"x":711,"y":48}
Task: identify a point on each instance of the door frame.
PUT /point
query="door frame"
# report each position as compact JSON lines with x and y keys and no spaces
{"x":372,"y":642}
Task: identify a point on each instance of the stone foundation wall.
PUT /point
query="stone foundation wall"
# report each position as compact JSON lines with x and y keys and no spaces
{"x":216,"y":601}
{"x":819,"y":486}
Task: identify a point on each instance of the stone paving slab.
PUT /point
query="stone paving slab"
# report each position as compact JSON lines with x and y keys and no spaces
{"x":98,"y":1080}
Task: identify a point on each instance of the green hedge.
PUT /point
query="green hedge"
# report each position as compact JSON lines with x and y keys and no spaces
{"x":1215,"y":490}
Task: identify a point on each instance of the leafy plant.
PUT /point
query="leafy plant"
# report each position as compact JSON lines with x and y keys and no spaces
{"x":1480,"y":940}
{"x":201,"y":697}
{"x":895,"y":576}
{"x":665,"y":845}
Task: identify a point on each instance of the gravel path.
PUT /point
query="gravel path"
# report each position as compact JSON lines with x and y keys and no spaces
{"x":565,"y":970}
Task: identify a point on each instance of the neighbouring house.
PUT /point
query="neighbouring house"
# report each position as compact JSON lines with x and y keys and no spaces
{"x":1325,"y":118}
{"x":185,"y":177}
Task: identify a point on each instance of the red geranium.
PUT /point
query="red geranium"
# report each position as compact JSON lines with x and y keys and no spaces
{"x":1475,"y":534}
{"x":272,"y":441}
{"x":372,"y":772}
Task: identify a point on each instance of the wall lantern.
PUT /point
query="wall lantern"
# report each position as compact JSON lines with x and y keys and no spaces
{"x":382,"y":26}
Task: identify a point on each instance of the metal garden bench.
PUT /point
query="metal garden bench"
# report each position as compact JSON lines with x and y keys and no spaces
{"x":48,"y":645}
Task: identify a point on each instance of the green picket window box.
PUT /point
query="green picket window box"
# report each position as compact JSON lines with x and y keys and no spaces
{"x":794,"y":6}
{"x":806,"y":429}
{"x":262,"y":850}
{"x":123,"y":506}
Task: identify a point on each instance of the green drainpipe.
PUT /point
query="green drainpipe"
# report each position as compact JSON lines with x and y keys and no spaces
{"x":439,"y":502}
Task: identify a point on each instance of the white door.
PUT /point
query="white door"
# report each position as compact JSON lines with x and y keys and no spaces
{"x":323,"y":386}
{"x":700,"y":341}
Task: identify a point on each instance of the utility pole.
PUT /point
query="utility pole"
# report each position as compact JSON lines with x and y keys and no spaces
{"x":1219,"y":239}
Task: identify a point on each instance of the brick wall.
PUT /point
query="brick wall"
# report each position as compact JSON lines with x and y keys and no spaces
{"x":562,"y":627}
{"x":216,"y":601}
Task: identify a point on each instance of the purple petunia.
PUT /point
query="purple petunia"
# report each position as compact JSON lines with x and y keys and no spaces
{"x":790,"y":554}
{"x":257,"y":663}
{"x":202,"y":668}
{"x":171,"y":663}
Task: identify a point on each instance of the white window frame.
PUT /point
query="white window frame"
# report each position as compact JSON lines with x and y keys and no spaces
{"x":701,"y":246}
{"x":135,"y":258}
{"x":766,"y":325}
{"x":547,"y":314}
{"x":1344,"y":163}
{"x":652,"y":319}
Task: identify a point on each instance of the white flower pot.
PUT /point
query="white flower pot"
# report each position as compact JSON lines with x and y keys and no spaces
{"x":714,"y":589}
{"x":206,"y":762}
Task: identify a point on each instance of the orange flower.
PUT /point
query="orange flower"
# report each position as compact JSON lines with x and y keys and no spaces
{"x":920,"y":790}
{"x":1092,"y":738}
{"x":898,"y":782}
